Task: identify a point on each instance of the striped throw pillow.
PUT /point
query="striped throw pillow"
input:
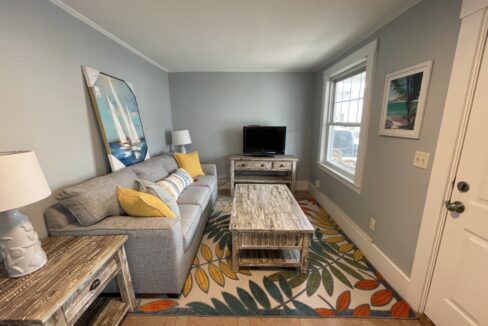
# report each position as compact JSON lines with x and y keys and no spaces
{"x":176,"y":183}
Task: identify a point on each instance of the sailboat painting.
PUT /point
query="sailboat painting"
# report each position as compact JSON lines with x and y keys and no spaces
{"x":118,"y":116}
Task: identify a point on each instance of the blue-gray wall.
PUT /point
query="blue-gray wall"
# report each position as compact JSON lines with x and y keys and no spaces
{"x":393,"y":190}
{"x":215,"y":106}
{"x":45,"y":105}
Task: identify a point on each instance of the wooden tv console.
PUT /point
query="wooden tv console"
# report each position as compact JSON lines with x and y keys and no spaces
{"x":279,"y":169}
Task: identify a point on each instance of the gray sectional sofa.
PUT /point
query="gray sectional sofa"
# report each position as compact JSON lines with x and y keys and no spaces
{"x":159,"y":250}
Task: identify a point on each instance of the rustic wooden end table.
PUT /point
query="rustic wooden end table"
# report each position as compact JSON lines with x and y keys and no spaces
{"x":65,"y":291}
{"x":268,"y":228}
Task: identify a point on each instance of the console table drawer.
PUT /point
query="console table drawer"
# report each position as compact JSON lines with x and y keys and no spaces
{"x":262,"y":165}
{"x":244,"y":165}
{"x":281,"y":165}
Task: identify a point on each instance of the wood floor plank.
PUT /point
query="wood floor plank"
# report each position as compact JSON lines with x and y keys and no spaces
{"x":136,"y":320}
{"x":133,"y":320}
{"x":250,"y":321}
{"x":390,"y":322}
{"x":206,"y":321}
{"x":330,"y":322}
{"x":285,"y":321}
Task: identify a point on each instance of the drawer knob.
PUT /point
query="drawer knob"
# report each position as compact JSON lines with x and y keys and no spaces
{"x":281,"y":165}
{"x":95,"y":284}
{"x":262,"y":165}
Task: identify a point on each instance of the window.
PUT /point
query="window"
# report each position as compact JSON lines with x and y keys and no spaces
{"x":345,"y":110}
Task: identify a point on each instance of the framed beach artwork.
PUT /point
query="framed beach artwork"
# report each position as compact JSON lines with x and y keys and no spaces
{"x":118,"y":117}
{"x":404,"y":101}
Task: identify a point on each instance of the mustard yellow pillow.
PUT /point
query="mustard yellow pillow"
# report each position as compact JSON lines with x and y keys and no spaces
{"x":190,"y":163}
{"x":141,"y":204}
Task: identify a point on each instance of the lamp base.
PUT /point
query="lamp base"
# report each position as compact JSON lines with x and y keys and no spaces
{"x":183,"y":149}
{"x":19,"y":244}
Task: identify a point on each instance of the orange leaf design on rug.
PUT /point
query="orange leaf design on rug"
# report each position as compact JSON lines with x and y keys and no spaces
{"x":343,"y":301}
{"x":379,"y":277}
{"x":381,"y":297}
{"x":400,"y":309}
{"x":362,"y":311}
{"x":366,"y":284}
{"x":158,"y":305}
{"x":324,"y":312}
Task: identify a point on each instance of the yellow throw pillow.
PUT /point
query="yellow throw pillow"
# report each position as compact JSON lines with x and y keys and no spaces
{"x":141,"y":204}
{"x":190,"y":163}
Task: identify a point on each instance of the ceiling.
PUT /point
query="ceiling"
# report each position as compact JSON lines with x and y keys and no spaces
{"x":236,"y":35}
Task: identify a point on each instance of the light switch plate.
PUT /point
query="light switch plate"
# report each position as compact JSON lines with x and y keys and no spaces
{"x":421,"y":160}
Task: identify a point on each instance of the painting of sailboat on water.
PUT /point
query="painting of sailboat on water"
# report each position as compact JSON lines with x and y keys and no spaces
{"x":118,"y":116}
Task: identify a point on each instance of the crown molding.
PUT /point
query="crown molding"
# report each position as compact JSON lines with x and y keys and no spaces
{"x":100,"y":29}
{"x":367,"y":34}
{"x":243,"y":70}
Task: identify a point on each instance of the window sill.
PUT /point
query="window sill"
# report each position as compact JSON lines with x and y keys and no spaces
{"x":339,"y":177}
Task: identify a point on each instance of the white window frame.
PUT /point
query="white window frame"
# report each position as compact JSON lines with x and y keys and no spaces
{"x":365,"y":57}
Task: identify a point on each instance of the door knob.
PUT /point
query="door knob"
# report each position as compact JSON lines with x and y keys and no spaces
{"x":456,"y":206}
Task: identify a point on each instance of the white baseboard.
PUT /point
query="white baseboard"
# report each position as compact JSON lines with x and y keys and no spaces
{"x":301,"y":184}
{"x":394,"y":275}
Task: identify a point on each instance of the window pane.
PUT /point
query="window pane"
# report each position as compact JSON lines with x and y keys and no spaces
{"x":343,"y":147}
{"x":348,"y":98}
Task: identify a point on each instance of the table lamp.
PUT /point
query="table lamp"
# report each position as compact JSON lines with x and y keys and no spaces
{"x":181,"y":138}
{"x":21,"y":183}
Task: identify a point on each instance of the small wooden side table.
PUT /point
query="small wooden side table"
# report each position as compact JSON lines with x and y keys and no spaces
{"x":65,"y":291}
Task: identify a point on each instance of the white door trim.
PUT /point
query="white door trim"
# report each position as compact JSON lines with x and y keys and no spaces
{"x":464,"y":76}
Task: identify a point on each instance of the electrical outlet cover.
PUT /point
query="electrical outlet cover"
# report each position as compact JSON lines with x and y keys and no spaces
{"x":372,"y":224}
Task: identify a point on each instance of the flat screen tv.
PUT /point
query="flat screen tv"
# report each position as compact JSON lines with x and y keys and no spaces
{"x":264,"y":141}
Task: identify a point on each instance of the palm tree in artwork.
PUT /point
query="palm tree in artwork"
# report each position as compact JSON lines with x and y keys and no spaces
{"x":408,"y":90}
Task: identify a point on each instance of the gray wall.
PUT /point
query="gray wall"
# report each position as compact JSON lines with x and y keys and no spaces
{"x":215,"y":107}
{"x":393,"y":190}
{"x":45,"y":106}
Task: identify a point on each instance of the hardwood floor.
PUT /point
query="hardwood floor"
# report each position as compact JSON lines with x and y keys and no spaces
{"x":133,"y":320}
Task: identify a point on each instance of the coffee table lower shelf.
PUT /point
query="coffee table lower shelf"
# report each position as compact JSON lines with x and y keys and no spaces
{"x":269,"y":257}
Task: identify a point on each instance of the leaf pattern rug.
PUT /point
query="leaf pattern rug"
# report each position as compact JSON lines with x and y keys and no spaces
{"x":339,"y":282}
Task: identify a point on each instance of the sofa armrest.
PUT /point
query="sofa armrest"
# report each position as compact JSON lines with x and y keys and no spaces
{"x":209,"y":169}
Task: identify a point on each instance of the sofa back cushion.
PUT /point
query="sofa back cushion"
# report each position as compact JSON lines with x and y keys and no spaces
{"x":176,"y":183}
{"x":152,"y":169}
{"x":95,"y":199}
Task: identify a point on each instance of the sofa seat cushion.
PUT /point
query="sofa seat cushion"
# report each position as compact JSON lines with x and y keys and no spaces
{"x":195,"y":195}
{"x":95,"y":199}
{"x":190,"y":218}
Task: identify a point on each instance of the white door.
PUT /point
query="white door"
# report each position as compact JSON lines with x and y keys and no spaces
{"x":459,"y":291}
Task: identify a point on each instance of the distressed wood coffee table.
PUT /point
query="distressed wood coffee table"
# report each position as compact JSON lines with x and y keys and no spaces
{"x":268,"y":228}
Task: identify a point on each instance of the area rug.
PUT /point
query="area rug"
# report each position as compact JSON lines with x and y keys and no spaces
{"x":339,"y":281}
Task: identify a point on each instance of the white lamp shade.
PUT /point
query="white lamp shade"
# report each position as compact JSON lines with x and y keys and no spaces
{"x":21,"y":180}
{"x":181,"y":137}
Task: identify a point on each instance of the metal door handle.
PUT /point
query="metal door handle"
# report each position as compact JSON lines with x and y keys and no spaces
{"x":456,"y":206}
